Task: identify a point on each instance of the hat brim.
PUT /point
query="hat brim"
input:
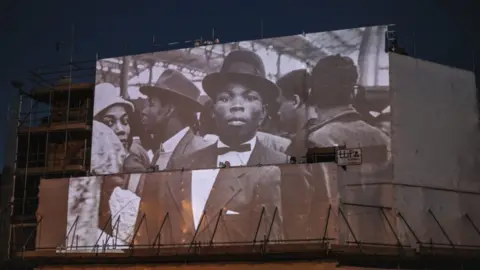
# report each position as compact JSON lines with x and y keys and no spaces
{"x":156,"y":91}
{"x":216,"y":82}
{"x":115,"y":101}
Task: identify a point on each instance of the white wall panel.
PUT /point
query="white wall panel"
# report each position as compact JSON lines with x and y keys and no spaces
{"x":435,"y":139}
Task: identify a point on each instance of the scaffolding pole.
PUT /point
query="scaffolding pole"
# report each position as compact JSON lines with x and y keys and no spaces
{"x":349,"y":227}
{"x":382,"y":210}
{"x":477,"y":230}
{"x":74,"y":228}
{"x":47,"y":138}
{"x":326,"y":223}
{"x":136,"y":229}
{"x":197,"y":230}
{"x":159,"y":234}
{"x":70,"y":79}
{"x":27,"y":162}
{"x":31,"y":234}
{"x":14,"y":180}
{"x":258,"y":226}
{"x":216,"y":226}
{"x":271,"y":225}
{"x":399,"y":214}
{"x":441,"y":228}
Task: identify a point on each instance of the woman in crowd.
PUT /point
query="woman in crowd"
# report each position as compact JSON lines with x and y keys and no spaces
{"x":108,"y":151}
{"x":115,"y":112}
{"x":108,"y":155}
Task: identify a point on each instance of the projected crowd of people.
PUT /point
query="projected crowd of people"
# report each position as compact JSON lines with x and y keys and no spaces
{"x":168,"y":148}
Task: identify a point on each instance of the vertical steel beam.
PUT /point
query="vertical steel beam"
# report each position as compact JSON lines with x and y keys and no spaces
{"x":136,"y":229}
{"x":473,"y":223}
{"x":271,"y":225}
{"x":31,"y":234}
{"x":326,"y":223}
{"x":95,"y":246}
{"x":159,"y":233}
{"x":441,"y":228}
{"x":216,"y":226}
{"x":258,"y":226}
{"x":409,"y":228}
{"x":391,"y":228}
{"x":349,"y":227}
{"x":197,"y":230}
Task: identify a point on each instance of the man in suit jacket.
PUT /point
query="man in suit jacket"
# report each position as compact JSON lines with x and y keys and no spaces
{"x":224,"y":205}
{"x":170,"y":117}
{"x":240,"y":195}
{"x":340,"y":124}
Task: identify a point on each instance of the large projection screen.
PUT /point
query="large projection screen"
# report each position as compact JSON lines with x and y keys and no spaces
{"x":248,"y":103}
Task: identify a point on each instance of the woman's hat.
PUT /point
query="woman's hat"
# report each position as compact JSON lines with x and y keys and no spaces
{"x":107,"y":95}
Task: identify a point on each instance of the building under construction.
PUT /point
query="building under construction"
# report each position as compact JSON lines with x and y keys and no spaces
{"x":428,"y":220}
{"x":52,"y":120}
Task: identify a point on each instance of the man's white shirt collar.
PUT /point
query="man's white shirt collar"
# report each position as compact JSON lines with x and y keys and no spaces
{"x":236,"y":158}
{"x":170,"y":144}
{"x":252,"y":143}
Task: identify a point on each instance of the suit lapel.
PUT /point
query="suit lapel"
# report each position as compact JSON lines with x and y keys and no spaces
{"x":227,"y":185}
{"x":180,"y":149}
{"x":205,"y":158}
{"x":258,"y":154}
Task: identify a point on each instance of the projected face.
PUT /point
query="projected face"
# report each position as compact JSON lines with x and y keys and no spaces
{"x":287,"y":114}
{"x":116,"y":117}
{"x":238,"y":112}
{"x":155,"y":114}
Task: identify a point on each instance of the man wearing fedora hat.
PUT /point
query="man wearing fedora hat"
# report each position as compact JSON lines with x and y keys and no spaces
{"x":170,"y":118}
{"x":240,"y":197}
{"x":296,"y":116}
{"x":294,"y":113}
{"x":339,"y":124}
{"x":240,"y":93}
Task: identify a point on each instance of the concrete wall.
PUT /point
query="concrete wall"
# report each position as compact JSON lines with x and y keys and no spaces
{"x":435,"y":146}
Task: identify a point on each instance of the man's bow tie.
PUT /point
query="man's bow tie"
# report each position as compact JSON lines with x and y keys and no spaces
{"x":239,"y":148}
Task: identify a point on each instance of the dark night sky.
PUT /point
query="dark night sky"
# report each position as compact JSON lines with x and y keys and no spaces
{"x":442,"y":30}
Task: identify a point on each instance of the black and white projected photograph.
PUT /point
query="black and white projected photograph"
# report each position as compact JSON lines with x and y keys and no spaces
{"x":243,"y":103}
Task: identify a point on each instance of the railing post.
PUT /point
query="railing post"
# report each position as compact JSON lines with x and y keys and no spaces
{"x":326,"y":223}
{"x":349,"y":227}
{"x":409,"y":228}
{"x":215,"y":228}
{"x":197,"y":230}
{"x":159,"y":233}
{"x":441,"y":228}
{"x":258,"y":226}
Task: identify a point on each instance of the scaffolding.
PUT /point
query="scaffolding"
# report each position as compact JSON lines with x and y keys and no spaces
{"x":53,"y":138}
{"x":263,"y":249}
